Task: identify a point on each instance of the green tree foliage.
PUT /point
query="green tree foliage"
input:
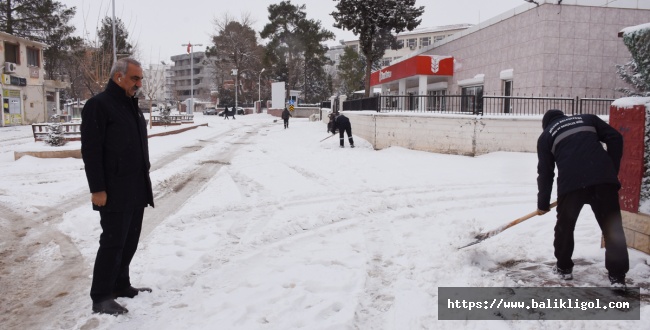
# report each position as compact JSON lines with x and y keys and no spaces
{"x":637,"y":71}
{"x":375,"y":23}
{"x":44,"y":21}
{"x":105,"y":35}
{"x":295,"y":51}
{"x":351,"y":71}
{"x":235,"y":46}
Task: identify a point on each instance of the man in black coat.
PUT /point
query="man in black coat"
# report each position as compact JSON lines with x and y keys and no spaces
{"x":115,"y":152}
{"x":342,"y":123}
{"x":285,"y":116}
{"x":587,"y":174}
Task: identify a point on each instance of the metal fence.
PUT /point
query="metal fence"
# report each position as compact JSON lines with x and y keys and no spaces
{"x":480,"y":104}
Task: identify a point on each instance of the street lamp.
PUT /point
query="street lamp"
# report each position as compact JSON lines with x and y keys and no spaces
{"x":259,"y":89}
{"x":190,"y":50}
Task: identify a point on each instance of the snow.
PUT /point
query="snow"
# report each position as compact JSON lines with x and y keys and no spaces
{"x":636,"y":28}
{"x":284,"y":232}
{"x":631,"y":102}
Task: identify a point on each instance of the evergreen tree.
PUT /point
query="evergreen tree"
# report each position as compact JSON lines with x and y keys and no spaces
{"x":351,"y":72}
{"x":55,"y":135}
{"x":105,"y":34}
{"x":295,"y":45}
{"x":637,"y":71}
{"x":45,"y":21}
{"x":375,"y":23}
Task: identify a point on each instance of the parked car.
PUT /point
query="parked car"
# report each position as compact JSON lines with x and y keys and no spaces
{"x":210,"y":111}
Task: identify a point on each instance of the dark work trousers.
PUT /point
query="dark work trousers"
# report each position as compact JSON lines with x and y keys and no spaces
{"x":117,"y":245}
{"x":604,"y":203}
{"x":347,"y":130}
{"x":286,"y":123}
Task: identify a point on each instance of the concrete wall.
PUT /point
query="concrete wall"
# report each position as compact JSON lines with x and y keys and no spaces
{"x":449,"y":134}
{"x":297,"y":112}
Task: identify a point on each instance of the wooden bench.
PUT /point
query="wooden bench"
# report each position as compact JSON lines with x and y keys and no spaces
{"x":157,"y":120}
{"x":71,"y":131}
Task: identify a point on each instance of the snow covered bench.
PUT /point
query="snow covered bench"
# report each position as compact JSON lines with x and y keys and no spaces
{"x":71,"y":131}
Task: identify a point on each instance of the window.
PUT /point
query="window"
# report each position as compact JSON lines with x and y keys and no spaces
{"x":437,"y":101}
{"x":33,"y":57}
{"x":472,"y":99}
{"x":507,"y":91}
{"x":438,"y":38}
{"x":426,"y":41}
{"x":412,"y":43}
{"x":385,"y":61}
{"x":11,"y":53}
{"x":400,"y":44}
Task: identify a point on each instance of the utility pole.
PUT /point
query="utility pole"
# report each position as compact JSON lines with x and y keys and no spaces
{"x":190,"y":50}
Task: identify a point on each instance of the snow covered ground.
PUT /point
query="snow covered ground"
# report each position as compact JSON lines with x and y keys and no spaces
{"x":258,"y":227}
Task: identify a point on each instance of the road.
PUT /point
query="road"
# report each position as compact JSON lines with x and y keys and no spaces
{"x":27,"y":301}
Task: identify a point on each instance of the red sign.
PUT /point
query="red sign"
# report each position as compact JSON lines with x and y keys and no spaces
{"x":430,"y":65}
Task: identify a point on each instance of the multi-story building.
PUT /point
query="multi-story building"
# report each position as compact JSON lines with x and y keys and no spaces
{"x":555,"y":48}
{"x":156,"y":83}
{"x":26,"y":96}
{"x":408,"y":41}
{"x":201,"y":81}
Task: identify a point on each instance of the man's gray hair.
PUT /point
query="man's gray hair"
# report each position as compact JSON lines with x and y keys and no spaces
{"x":122,"y":64}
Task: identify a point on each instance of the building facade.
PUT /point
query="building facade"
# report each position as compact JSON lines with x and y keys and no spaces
{"x":27,"y":97}
{"x":570,"y":49}
{"x":200,"y":81}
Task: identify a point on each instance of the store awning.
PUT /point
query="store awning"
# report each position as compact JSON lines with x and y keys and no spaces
{"x":430,"y":65}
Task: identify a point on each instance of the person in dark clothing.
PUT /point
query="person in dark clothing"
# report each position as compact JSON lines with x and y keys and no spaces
{"x":285,"y":116}
{"x":342,"y":123}
{"x":225,"y":113}
{"x":115,"y":153}
{"x":587,"y":174}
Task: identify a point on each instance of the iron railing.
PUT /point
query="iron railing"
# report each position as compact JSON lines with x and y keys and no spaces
{"x":477,"y":104}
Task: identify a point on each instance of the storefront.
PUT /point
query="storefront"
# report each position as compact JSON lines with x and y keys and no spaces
{"x":417,"y":75}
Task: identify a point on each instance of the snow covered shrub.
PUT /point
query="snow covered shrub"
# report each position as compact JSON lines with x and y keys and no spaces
{"x":55,"y":135}
{"x":636,"y":72}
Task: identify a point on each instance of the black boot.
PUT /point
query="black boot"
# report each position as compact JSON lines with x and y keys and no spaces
{"x":129,"y":292}
{"x":109,"y":307}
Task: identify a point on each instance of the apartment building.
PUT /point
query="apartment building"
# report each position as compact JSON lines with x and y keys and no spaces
{"x":407,"y":42}
{"x":197,"y":76}
{"x":27,"y":97}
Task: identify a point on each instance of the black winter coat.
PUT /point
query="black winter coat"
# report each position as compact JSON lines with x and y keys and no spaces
{"x":286,"y":114}
{"x":574,"y":143}
{"x":115,"y":150}
{"x":341,"y":123}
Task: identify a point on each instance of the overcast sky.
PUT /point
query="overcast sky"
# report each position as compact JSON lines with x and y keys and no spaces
{"x":159,"y":27}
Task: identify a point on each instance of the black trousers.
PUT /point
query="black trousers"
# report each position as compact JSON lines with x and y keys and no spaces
{"x":348,"y":130}
{"x":286,"y":123}
{"x":605,"y":205}
{"x":117,"y":245}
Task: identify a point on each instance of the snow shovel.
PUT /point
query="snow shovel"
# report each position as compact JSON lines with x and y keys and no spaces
{"x":326,"y":138}
{"x":481,"y":237}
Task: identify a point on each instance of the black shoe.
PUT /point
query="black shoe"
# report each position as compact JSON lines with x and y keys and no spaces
{"x":617,"y":281}
{"x":352,"y":146}
{"x":565,"y":274}
{"x":342,"y":146}
{"x":109,"y":307}
{"x":129,"y":292}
